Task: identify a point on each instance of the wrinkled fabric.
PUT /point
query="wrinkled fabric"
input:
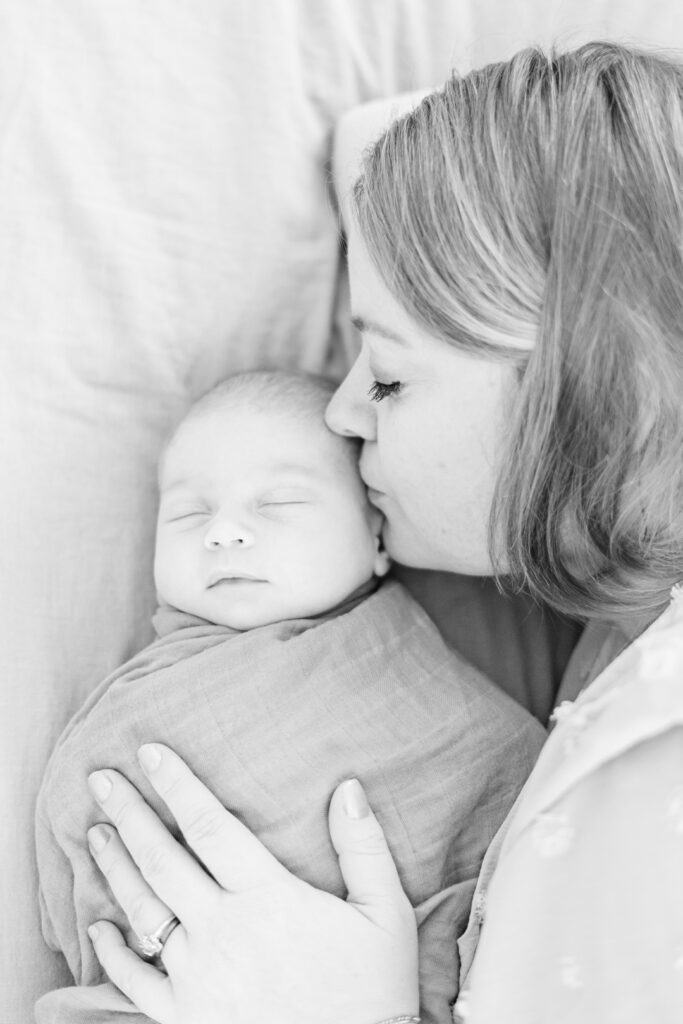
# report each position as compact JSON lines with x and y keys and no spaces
{"x":272,"y":720}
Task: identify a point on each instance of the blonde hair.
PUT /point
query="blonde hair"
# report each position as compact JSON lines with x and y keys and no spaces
{"x":542,"y":199}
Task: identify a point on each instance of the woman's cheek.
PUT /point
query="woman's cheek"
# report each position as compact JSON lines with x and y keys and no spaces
{"x":410,"y":469}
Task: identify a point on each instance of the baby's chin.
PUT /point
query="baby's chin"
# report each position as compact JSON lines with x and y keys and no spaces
{"x":238,"y":607}
{"x":245,"y":620}
{"x":247,"y":604}
{"x":235,"y":613}
{"x":243,"y":623}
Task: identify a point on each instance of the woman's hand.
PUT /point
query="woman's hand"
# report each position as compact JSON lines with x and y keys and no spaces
{"x":255,"y":944}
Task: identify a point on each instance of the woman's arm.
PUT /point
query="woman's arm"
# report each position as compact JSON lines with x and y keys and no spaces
{"x":255,"y":943}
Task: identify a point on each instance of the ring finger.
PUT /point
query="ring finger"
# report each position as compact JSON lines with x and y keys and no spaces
{"x":143,"y":908}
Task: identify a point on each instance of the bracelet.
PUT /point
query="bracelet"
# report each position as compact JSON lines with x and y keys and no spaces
{"x":401,"y":1020}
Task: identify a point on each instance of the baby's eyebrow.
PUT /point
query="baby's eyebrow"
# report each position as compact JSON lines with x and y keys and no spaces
{"x":176,"y":485}
{"x":295,"y":469}
{"x":293,"y":472}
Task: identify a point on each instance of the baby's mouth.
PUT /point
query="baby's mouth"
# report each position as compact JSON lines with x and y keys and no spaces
{"x":233,"y":579}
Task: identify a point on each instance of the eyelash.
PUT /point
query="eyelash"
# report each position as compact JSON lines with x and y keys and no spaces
{"x":279,"y":504}
{"x":378,"y":391}
{"x":187,"y":515}
{"x":193,"y":514}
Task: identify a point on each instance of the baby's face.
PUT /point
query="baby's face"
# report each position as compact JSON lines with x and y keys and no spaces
{"x":262,"y":518}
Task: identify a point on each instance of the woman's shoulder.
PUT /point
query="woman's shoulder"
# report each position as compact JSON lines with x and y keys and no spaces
{"x":638,"y":694}
{"x":630,"y":712}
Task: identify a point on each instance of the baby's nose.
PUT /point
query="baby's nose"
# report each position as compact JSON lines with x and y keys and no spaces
{"x":224,"y":533}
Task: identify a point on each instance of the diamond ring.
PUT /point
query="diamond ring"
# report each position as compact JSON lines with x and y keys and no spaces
{"x":152,"y":945}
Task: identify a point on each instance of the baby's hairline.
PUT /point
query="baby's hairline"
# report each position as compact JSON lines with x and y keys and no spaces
{"x":247,"y":392}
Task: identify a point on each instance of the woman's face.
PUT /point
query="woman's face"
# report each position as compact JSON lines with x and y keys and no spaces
{"x":433,"y":420}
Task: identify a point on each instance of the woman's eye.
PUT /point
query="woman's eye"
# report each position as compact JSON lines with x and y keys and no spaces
{"x":378,"y":391}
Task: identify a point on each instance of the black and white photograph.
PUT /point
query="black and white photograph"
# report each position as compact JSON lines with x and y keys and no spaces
{"x":341,"y":448}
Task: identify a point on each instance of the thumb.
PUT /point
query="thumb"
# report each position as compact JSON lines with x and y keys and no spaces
{"x":365,"y":861}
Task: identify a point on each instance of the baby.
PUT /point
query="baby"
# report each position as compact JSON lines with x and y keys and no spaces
{"x":283,"y":665}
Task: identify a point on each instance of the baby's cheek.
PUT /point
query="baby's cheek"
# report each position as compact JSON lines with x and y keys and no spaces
{"x":171,"y":572}
{"x":159,"y":567}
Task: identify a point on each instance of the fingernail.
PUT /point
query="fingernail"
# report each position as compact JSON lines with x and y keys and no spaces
{"x":98,"y":838}
{"x":149,"y":757}
{"x":355,"y":801}
{"x":100,"y":785}
{"x":93,"y":931}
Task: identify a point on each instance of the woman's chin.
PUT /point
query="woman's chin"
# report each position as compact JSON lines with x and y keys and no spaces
{"x":414,"y":553}
{"x":409,"y":550}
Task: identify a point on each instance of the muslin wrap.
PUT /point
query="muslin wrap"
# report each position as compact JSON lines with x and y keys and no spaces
{"x":271,"y":720}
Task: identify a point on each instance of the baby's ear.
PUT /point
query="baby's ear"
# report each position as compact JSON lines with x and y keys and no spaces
{"x":382,"y":562}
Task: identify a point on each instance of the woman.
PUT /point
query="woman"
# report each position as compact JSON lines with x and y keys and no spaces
{"x":516,"y":269}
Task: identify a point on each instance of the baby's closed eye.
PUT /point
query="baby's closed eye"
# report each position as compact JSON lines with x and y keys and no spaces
{"x":283,"y":502}
{"x":179,"y":515}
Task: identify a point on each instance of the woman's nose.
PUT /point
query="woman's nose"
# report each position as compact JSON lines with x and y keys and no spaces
{"x":350,"y":412}
{"x":225,"y":533}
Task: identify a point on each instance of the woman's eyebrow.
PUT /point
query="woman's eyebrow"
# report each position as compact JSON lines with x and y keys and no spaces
{"x":371,"y":327}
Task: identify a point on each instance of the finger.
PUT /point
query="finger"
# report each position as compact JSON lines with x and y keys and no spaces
{"x":145,"y":986}
{"x":169,"y":869}
{"x":233,"y":855}
{"x":366,"y":864}
{"x":143,"y":908}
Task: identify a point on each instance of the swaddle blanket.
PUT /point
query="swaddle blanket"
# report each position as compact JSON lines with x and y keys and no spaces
{"x":271,"y":720}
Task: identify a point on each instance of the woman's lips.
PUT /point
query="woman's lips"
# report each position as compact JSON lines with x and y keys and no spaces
{"x":370,"y":486}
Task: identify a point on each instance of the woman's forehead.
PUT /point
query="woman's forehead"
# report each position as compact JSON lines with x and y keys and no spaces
{"x":377,"y":312}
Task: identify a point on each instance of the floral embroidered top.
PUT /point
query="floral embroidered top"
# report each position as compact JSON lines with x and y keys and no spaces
{"x":578,"y":912}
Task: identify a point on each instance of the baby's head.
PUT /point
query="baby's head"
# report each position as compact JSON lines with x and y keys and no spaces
{"x":263,"y":515}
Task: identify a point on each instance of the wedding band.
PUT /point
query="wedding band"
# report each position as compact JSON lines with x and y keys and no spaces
{"x":152,"y":945}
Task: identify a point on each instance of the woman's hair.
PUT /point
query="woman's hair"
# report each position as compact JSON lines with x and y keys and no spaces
{"x":542,"y":199}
